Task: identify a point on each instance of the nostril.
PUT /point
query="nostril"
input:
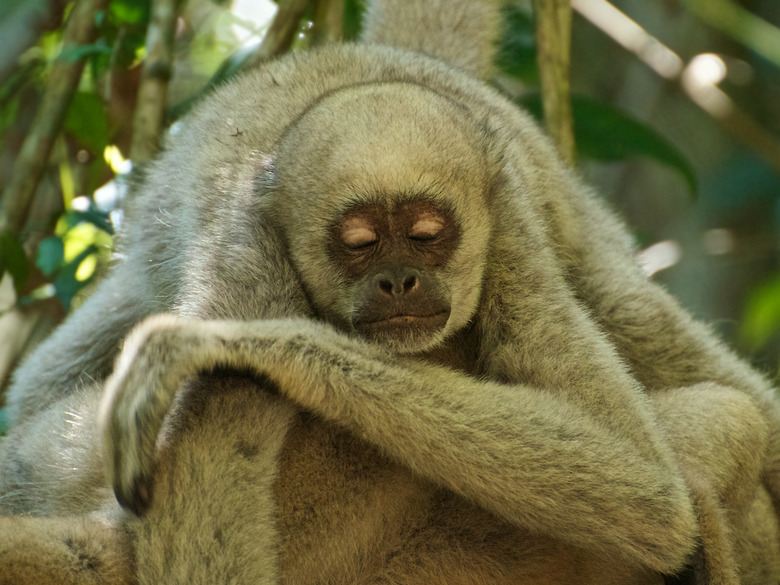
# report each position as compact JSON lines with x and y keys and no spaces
{"x":398,"y":283}
{"x":386,"y":286}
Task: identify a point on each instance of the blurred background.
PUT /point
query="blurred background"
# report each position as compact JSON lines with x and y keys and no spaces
{"x":676,"y":114}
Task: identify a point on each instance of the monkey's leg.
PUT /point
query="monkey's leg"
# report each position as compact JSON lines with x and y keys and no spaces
{"x":51,"y":473}
{"x":664,"y":345}
{"x":213,"y":519}
{"x":73,"y":550}
{"x":720,"y":438}
{"x":719,"y":432}
{"x":82,"y":350}
{"x":52,"y":463}
{"x":524,"y":454}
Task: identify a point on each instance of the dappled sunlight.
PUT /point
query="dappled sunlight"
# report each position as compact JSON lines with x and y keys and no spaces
{"x":718,"y":241}
{"x":251,"y":21}
{"x":631,"y":36}
{"x":660,"y":256}
{"x":700,"y":78}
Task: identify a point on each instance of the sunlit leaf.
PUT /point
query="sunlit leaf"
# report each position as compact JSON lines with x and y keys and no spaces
{"x":516,"y":55}
{"x":761,"y":319}
{"x":129,"y":11}
{"x":93,"y":216}
{"x":51,"y":254}
{"x":605,"y":133}
{"x":13,"y":260}
{"x":66,"y":285}
{"x":86,"y":121}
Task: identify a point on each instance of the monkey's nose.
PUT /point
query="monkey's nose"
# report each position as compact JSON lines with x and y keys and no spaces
{"x":398,"y":283}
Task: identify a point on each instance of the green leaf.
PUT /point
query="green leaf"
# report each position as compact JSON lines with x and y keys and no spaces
{"x":83,"y":51}
{"x":516,"y":55}
{"x":605,"y":133}
{"x":14,"y":260}
{"x":65,"y":284}
{"x":51,"y":253}
{"x":353,"y":19}
{"x":761,"y":319}
{"x":129,"y":11}
{"x":99,"y":219}
{"x":86,"y":121}
{"x":3,"y":422}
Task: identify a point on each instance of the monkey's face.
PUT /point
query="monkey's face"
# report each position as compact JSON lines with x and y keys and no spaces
{"x":381,"y":192}
{"x":391,"y":257}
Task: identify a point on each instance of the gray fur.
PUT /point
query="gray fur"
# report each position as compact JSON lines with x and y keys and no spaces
{"x":571,"y":423}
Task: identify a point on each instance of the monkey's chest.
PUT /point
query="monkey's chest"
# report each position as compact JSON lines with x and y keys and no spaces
{"x":349,"y":515}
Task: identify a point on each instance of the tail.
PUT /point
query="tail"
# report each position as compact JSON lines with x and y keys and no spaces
{"x":462,"y":32}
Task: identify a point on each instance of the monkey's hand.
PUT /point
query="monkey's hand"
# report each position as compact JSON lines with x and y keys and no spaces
{"x":136,"y":398}
{"x":159,"y":354}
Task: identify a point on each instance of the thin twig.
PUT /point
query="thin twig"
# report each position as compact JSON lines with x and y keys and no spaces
{"x":62,"y":83}
{"x":149,"y":118}
{"x":280,"y":34}
{"x":553,"y":34}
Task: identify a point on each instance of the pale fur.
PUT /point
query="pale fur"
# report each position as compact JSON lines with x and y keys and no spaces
{"x":596,"y":416}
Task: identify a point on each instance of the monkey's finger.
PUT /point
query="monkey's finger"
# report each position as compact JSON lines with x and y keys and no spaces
{"x":138,"y":497}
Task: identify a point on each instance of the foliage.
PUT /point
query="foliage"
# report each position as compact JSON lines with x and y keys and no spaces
{"x":605,"y":133}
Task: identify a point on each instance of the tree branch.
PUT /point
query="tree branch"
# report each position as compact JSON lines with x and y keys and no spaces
{"x":62,"y":83}
{"x":280,"y":34}
{"x":553,"y":36}
{"x":328,"y":21}
{"x":149,"y":116}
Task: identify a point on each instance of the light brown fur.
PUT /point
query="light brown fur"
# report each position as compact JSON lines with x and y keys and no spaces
{"x":578,"y":420}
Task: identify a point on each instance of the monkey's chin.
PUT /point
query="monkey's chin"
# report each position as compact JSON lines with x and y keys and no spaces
{"x":406,"y":333}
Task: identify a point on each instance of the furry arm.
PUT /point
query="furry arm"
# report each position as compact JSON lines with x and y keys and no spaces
{"x":523,"y":453}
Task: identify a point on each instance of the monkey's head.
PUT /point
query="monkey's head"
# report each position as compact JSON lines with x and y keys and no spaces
{"x":381,"y":193}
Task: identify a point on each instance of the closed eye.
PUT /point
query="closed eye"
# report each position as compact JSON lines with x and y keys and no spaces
{"x":423,"y":238}
{"x":426,"y":229}
{"x":362,"y":245}
{"x":357,"y":237}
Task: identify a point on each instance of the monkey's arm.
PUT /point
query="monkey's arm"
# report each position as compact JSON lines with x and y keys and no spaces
{"x":663,"y":345}
{"x":523,"y":453}
{"x":83,"y":349}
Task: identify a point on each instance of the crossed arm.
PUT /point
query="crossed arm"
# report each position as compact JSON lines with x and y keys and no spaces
{"x":525,"y":454}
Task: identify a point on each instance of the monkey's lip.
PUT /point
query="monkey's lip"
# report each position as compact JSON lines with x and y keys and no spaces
{"x":403,"y":320}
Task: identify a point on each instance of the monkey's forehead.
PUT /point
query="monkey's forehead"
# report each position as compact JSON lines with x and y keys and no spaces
{"x":253,"y":114}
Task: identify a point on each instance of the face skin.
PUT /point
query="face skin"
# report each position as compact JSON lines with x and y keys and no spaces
{"x":391,"y":256}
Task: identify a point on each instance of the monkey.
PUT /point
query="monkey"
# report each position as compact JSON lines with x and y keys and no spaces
{"x":526,"y":374}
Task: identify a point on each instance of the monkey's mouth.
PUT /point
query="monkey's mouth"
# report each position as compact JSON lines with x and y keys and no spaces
{"x":409,"y":319}
{"x":402,"y":325}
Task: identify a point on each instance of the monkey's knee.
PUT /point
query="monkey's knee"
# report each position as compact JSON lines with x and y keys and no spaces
{"x":718,"y":431}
